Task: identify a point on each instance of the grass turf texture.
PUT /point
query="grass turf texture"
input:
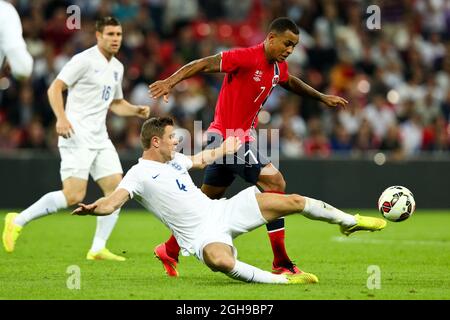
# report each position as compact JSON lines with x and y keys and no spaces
{"x":413,"y":257}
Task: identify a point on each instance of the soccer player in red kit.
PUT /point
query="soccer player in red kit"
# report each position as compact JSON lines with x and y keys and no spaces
{"x":251,"y":74}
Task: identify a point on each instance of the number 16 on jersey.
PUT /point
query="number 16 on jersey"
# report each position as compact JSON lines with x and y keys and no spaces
{"x":106,"y":92}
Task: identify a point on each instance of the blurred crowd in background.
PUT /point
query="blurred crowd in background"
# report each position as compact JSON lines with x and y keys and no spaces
{"x":396,"y":79}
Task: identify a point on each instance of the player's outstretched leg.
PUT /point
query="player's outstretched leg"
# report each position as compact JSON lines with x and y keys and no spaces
{"x":275,"y":206}
{"x":219,"y":257}
{"x":47,"y":204}
{"x":319,"y":210}
{"x":167,"y":253}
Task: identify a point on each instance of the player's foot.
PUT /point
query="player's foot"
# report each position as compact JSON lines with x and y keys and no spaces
{"x":169,"y":263}
{"x":364,"y":223}
{"x":302,"y":278}
{"x":11,"y":232}
{"x":104,"y":254}
{"x":289,"y":268}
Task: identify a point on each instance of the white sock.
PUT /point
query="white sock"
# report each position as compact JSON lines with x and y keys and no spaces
{"x":47,"y":204}
{"x":319,"y":210}
{"x":248,"y":273}
{"x":105,"y":226}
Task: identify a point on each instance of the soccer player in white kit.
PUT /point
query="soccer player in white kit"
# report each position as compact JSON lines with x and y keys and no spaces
{"x":12,"y":44}
{"x":94,"y":79}
{"x":204,"y":227}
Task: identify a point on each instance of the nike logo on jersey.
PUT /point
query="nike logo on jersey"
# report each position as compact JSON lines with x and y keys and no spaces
{"x":96,"y":71}
{"x":154,"y":177}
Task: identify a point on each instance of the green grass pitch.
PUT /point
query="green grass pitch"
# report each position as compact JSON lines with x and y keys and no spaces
{"x":413,"y":258}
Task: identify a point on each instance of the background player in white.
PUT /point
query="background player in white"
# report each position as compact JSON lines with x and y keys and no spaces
{"x":12,"y":44}
{"x":204,"y":227}
{"x":94,"y":79}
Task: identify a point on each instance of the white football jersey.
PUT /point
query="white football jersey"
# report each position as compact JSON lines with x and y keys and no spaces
{"x":167,"y":190}
{"x":93,"y":83}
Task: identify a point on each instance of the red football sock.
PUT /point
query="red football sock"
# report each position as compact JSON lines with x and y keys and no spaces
{"x":276,"y":233}
{"x":172,"y":247}
{"x":280,"y":256}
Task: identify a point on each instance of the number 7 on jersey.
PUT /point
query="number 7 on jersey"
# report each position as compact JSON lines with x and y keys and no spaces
{"x":259,"y":95}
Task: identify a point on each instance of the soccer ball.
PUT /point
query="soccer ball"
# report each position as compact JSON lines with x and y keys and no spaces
{"x":396,"y":203}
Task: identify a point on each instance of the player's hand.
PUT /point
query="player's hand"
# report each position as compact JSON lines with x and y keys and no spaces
{"x":143,"y":112}
{"x":159,"y":89}
{"x":84,"y":209}
{"x":231,"y":145}
{"x":334,"y":101}
{"x":64,"y":128}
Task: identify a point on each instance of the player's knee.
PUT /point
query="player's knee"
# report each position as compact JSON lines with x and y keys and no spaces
{"x":280,"y":182}
{"x":74,"y":197}
{"x":276,"y":183}
{"x":223,"y":264}
{"x":218,"y":260}
{"x":297,"y":201}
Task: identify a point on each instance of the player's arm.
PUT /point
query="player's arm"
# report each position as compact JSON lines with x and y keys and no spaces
{"x":123,"y":108}
{"x":230,"y":146}
{"x":205,"y":65}
{"x":299,"y":87}
{"x":104,"y":206}
{"x":55,"y":97}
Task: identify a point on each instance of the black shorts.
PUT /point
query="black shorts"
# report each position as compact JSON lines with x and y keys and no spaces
{"x":246,"y":163}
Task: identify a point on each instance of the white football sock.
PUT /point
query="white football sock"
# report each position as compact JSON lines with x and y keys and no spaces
{"x":319,"y":210}
{"x":105,"y":226}
{"x":248,"y":273}
{"x":47,"y":204}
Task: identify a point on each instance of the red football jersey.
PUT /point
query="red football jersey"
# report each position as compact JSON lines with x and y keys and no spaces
{"x":248,"y":83}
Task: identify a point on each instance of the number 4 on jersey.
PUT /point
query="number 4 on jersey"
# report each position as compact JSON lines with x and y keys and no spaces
{"x":181,"y":186}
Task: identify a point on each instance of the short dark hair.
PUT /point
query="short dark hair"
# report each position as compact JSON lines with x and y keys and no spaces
{"x":280,"y":25}
{"x":101,"y":23}
{"x":154,"y":127}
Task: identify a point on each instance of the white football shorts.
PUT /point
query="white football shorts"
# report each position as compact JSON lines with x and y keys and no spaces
{"x":80,"y":162}
{"x":228,"y":219}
